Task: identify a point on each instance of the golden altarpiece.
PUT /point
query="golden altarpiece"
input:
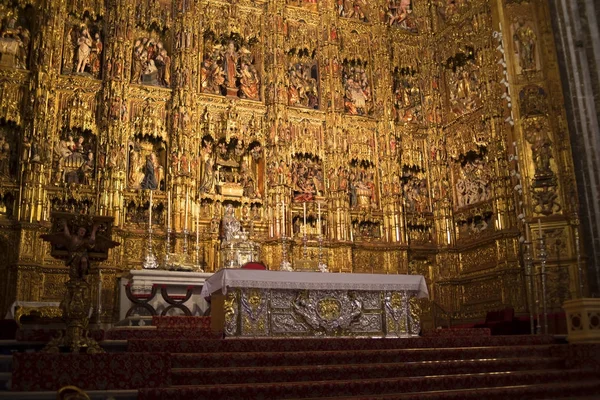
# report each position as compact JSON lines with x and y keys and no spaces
{"x":431,"y":133}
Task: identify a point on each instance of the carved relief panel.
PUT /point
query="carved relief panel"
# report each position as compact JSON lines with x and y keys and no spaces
{"x":232,"y":61}
{"x":15,"y":36}
{"x":302,"y":73}
{"x":399,"y":13}
{"x":463,"y":82}
{"x":146,"y":163}
{"x":407,"y":95}
{"x":151,"y":60}
{"x":82,"y":47}
{"x":74,"y":157}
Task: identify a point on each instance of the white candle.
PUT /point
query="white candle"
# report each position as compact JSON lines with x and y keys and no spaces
{"x":304,"y":206}
{"x":319,"y":219}
{"x":185,"y":218}
{"x":198,"y":228}
{"x":99,"y":291}
{"x":282,"y":218}
{"x":540,"y":227}
{"x":150,"y":208}
{"x":168,"y":211}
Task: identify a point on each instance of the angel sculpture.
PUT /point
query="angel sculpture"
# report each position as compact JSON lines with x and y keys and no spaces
{"x":78,"y":247}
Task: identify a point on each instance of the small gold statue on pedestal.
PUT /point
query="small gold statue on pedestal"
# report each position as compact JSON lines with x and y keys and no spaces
{"x":78,"y":249}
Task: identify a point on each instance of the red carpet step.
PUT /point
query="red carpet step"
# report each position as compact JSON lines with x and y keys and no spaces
{"x":44,"y":371}
{"x":586,"y":390}
{"x":343,"y":357}
{"x":311,"y":344}
{"x":211,"y":376}
{"x":366,"y":386}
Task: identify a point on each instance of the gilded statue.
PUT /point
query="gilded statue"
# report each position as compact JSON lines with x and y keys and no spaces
{"x":151,"y":63}
{"x":14,"y":44}
{"x":525,"y":45}
{"x":230,"y":66}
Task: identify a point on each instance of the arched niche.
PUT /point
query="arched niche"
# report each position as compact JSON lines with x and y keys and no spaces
{"x":15,"y":36}
{"x":74,"y":157}
{"x":146,"y":161}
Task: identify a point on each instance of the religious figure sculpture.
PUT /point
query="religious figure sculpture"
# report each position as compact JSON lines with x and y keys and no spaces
{"x":78,"y":249}
{"x":357,"y":98}
{"x":352,"y":9}
{"x":151,"y":64}
{"x":473,"y":186}
{"x":407,"y":97}
{"x":525,"y":45}
{"x":14,"y":45}
{"x":399,"y":13}
{"x":302,"y":88}
{"x":230,"y":67}
{"x":212,"y":75}
{"x":84,"y":49}
{"x":249,"y":83}
{"x":231,"y":226}
{"x":5,"y":157}
{"x":150,"y":180}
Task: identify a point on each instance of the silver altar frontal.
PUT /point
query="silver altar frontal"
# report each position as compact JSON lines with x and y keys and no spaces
{"x":251,"y":303}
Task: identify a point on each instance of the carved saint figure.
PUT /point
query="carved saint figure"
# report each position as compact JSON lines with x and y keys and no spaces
{"x":212,"y":75}
{"x":14,"y":45}
{"x":84,"y":49}
{"x":4,"y":157}
{"x":151,"y":64}
{"x":230,"y":65}
{"x":249,"y":83}
{"x":525,"y":46}
{"x":150,"y":180}
{"x":95,"y":56}
{"x":398,"y":14}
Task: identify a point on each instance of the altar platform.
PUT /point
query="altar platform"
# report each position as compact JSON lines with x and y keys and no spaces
{"x":250,"y":303}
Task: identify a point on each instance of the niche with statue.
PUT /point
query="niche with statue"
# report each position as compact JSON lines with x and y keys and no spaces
{"x":147,"y":158}
{"x":472,"y":178}
{"x":74,"y":157}
{"x":237,"y":168}
{"x":9,"y":137}
{"x":361,"y":184}
{"x":151,"y":60}
{"x":82,"y":48}
{"x":15,"y":37}
{"x":307,"y":177}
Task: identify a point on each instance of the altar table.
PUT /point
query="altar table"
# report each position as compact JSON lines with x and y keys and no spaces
{"x":253,"y":303}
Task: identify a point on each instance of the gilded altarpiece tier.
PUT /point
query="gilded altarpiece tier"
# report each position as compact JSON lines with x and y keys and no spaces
{"x":403,"y":136}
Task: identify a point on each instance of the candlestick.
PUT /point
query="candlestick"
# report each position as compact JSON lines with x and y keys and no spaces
{"x":540,"y":227}
{"x":150,"y":258}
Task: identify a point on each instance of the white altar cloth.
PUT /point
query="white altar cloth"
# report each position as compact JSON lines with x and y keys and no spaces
{"x":248,"y":278}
